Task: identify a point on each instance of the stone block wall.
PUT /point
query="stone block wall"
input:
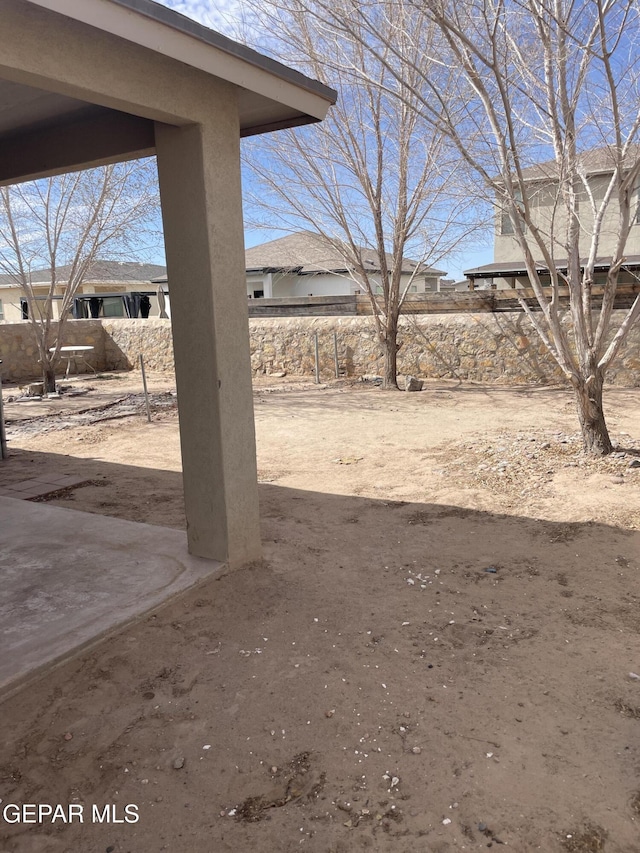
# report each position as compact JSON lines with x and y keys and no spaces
{"x":497,"y":348}
{"x":19,"y":351}
{"x":126,"y":340}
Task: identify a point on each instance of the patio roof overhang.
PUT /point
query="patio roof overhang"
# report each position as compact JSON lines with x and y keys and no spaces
{"x":517,"y":269}
{"x":50,"y":125}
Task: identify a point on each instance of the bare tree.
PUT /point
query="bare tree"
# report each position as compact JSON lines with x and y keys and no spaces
{"x":535,"y":81}
{"x":72,"y":220}
{"x":373,"y":179}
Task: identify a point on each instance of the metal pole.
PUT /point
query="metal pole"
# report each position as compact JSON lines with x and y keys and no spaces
{"x":317,"y":358}
{"x":335,"y":354}
{"x":3,"y":434}
{"x":146,"y":393}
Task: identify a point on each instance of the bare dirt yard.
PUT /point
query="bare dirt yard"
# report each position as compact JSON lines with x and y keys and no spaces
{"x":439,"y":652}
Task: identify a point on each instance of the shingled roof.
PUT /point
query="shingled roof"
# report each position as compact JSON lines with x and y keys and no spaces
{"x":308,"y":252}
{"x":594,"y":162}
{"x":508,"y":269}
{"x":100,"y":271}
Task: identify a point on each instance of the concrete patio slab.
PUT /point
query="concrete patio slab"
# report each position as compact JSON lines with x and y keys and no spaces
{"x":38,"y":487}
{"x":68,"y":578}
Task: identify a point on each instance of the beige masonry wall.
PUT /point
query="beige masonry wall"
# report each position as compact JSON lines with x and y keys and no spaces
{"x":498,"y":348}
{"x":126,"y":340}
{"x":19,"y":352}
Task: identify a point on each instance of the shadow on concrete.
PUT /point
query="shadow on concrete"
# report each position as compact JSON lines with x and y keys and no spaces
{"x":71,"y":577}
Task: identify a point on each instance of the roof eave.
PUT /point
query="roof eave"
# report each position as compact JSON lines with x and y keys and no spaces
{"x":507,"y":270}
{"x":163,"y":30}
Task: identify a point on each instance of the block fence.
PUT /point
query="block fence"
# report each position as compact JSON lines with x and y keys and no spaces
{"x":497,"y":348}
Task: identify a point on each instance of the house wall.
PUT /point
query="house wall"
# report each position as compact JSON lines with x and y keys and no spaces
{"x":282,"y":285}
{"x":498,"y":348}
{"x":11,"y":296}
{"x":12,"y":309}
{"x":550,"y":216}
{"x":323,"y":284}
{"x":259,"y":281}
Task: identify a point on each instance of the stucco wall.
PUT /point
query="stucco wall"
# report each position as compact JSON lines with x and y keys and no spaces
{"x":497,"y":348}
{"x":285,"y":285}
{"x":551,"y":218}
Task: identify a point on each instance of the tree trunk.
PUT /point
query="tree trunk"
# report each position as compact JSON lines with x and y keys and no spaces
{"x":48,"y":378}
{"x":390,"y":376}
{"x":595,"y":435}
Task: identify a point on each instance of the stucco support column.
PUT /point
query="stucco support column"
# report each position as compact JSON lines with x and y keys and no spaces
{"x":267,"y":285}
{"x":199,"y":172}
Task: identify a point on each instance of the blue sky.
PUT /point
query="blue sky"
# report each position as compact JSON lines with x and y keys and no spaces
{"x":226,"y":17}
{"x":219,"y":16}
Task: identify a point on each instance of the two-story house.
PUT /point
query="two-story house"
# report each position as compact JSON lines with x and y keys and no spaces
{"x":549,"y":215}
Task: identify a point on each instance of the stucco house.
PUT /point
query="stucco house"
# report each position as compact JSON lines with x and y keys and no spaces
{"x":111,"y":289}
{"x":307,"y":264}
{"x":508,"y":268}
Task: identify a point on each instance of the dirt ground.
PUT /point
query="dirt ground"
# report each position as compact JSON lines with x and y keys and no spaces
{"x":439,"y":652}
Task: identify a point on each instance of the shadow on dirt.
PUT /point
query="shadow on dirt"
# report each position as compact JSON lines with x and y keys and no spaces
{"x":391,"y":676}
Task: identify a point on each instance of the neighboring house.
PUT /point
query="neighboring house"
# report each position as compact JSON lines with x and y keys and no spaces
{"x":111,"y":289}
{"x":508,"y":269}
{"x":306,"y":264}
{"x":447,"y":285}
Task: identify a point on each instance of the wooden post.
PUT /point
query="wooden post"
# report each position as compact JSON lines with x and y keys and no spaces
{"x":335,"y":354}
{"x":146,"y":393}
{"x":317,"y":355}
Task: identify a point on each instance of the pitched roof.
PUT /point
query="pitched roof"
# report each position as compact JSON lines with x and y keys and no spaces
{"x":308,"y":252}
{"x":509,"y":269}
{"x":595,"y":161}
{"x":100,"y":270}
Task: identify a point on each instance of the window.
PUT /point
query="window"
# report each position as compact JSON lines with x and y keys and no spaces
{"x":506,"y":225}
{"x":258,"y":294}
{"x":112,"y":306}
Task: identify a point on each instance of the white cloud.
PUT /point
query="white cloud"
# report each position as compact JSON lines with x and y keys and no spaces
{"x":225,"y":16}
{"x":233,"y":18}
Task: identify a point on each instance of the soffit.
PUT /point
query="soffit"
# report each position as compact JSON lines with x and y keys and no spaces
{"x":271,"y":95}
